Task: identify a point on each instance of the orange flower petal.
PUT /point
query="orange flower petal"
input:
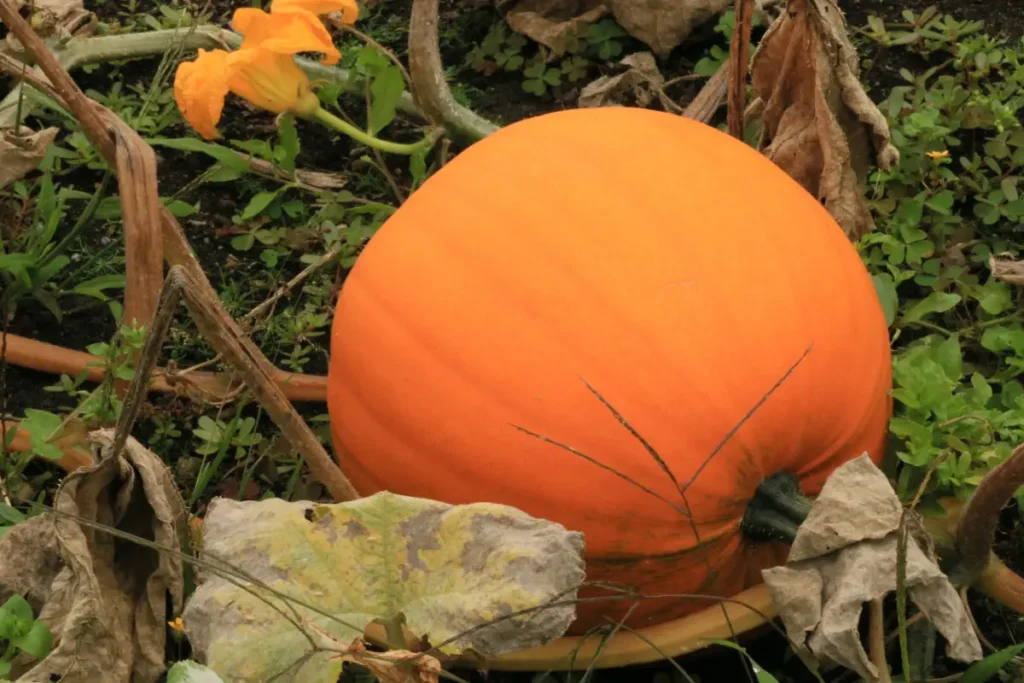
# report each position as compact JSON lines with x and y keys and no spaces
{"x":287,"y":32}
{"x":200,"y":87}
{"x":348,"y":8}
{"x":271,"y":81}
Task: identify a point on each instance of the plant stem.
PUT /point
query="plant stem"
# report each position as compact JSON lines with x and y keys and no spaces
{"x":331,"y":121}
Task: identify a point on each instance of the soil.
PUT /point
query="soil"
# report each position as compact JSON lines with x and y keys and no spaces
{"x":501,"y":99}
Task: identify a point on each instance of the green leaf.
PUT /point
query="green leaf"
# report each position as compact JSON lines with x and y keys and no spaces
{"x":97,"y":286}
{"x":257,"y":205}
{"x":885,"y":287}
{"x":228,"y":158}
{"x":941,"y":202}
{"x":192,"y":672}
{"x":385,"y":91}
{"x":15,"y":618}
{"x":1001,"y":338}
{"x":994,"y":297}
{"x":290,"y":146}
{"x":180,"y":209}
{"x":243,"y":242}
{"x":936,"y":302}
{"x":948,"y":354}
{"x":403,"y":559}
{"x":10,"y":514}
{"x":37,"y":642}
{"x":986,"y":669}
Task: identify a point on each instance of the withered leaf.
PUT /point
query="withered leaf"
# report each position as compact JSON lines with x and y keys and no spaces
{"x":664,"y":24}
{"x":817,"y":122}
{"x":1007,"y":269}
{"x":22,"y":152}
{"x":638,"y":85}
{"x":845,"y":555}
{"x":105,"y":600}
{"x":553,"y":22}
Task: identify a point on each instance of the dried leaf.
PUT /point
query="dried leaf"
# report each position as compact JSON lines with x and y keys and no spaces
{"x":664,"y":24}
{"x":817,"y":121}
{"x":844,"y":555}
{"x":392,"y":666}
{"x":638,"y":85}
{"x":56,"y":18}
{"x":553,"y":22}
{"x":444,"y":569}
{"x":22,"y":152}
{"x":105,"y":600}
{"x":1007,"y":269}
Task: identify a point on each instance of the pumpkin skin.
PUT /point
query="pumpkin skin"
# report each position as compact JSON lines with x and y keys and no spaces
{"x":672,"y":268}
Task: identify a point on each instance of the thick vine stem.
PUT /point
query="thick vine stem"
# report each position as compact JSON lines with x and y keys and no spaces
{"x":976,"y":529}
{"x":430,"y":87}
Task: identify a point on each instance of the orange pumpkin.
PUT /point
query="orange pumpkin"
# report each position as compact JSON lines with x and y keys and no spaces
{"x":673,"y":269}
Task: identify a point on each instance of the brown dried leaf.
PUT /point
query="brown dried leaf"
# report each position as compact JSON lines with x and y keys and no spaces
{"x":664,"y":24}
{"x":1007,"y":269}
{"x":56,"y":18}
{"x":638,"y":85}
{"x":105,"y":600}
{"x":22,"y":152}
{"x":553,"y":22}
{"x":845,"y":555}
{"x":817,"y":120}
{"x":393,"y":666}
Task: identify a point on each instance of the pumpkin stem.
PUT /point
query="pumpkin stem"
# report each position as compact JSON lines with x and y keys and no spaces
{"x":776,"y":510}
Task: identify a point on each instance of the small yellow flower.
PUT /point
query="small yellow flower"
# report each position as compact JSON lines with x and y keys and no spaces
{"x":935,"y":156}
{"x":177,"y":625}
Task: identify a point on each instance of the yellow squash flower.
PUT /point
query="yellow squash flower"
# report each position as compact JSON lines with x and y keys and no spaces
{"x":262,"y":70}
{"x":269,"y":80}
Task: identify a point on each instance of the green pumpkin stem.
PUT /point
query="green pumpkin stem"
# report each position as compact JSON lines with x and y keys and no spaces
{"x":776,"y":510}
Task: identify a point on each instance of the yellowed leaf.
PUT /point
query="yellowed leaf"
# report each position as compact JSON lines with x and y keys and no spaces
{"x":445,"y":569}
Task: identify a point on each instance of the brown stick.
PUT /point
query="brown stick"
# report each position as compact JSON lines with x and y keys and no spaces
{"x":212,"y":386}
{"x":876,"y":638}
{"x":140,"y":208}
{"x":73,"y":441}
{"x":739,"y":58}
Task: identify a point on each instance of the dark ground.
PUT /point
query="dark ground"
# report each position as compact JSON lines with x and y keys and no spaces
{"x":502,"y":101}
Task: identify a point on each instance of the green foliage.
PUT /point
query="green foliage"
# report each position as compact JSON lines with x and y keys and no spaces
{"x":717,"y":54}
{"x":951,"y":203}
{"x":22,"y":632}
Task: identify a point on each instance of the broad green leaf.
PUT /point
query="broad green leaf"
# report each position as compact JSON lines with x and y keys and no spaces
{"x":936,"y":302}
{"x":289,"y":148}
{"x":886,"y":289}
{"x":445,"y":569}
{"x":986,"y":669}
{"x":15,"y":618}
{"x":192,"y":672}
{"x":385,"y":91}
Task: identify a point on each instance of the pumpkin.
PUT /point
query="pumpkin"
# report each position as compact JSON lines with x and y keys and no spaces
{"x":589,"y":265}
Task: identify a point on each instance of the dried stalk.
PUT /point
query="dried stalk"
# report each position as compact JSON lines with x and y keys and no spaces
{"x":710,"y":97}
{"x":211,"y":386}
{"x":739,"y":58}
